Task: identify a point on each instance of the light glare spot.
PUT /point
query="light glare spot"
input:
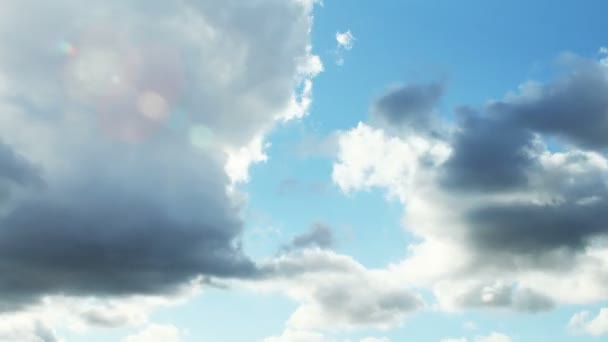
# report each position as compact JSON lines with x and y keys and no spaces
{"x":152,"y":105}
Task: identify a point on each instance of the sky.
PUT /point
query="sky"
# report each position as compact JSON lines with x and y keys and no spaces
{"x":303,"y":171}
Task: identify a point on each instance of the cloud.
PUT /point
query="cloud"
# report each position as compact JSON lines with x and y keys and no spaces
{"x":583,"y":323}
{"x":492,"y":295}
{"x":336,"y":293}
{"x":156,"y":333}
{"x":319,"y":235}
{"x":345,"y":42}
{"x":17,"y":329}
{"x":462,"y":339}
{"x":572,"y":107}
{"x":368,"y":157}
{"x":410,"y":107}
{"x":488,"y":156}
{"x":526,"y":227}
{"x":17,"y":170}
{"x":137,"y":129}
{"x":84,"y":315}
{"x":111,"y":315}
{"x":503,"y":216}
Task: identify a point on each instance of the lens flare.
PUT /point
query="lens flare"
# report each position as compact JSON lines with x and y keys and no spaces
{"x":67,"y":48}
{"x":201,"y":136}
{"x":153,"y":105}
{"x":132,"y":85}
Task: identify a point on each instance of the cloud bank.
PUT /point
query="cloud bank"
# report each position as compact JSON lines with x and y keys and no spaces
{"x":118,"y":121}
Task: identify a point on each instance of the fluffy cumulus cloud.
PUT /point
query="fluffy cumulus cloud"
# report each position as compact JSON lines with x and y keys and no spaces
{"x":123,"y":126}
{"x":584,"y":323}
{"x":22,"y":329}
{"x":336,"y":293}
{"x":508,"y":201}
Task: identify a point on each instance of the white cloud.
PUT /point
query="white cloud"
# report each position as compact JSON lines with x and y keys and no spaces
{"x":368,"y":158}
{"x":20,"y":328}
{"x":407,"y":168}
{"x":239,"y":160}
{"x":583,"y":323}
{"x":82,"y":315}
{"x":156,"y":333}
{"x":345,"y":42}
{"x":336,"y":293}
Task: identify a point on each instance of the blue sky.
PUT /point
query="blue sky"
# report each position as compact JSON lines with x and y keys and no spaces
{"x":165,"y":178}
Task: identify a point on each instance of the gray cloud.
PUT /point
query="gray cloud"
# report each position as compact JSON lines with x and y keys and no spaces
{"x":347,"y":305}
{"x":491,"y":150}
{"x":319,"y":235}
{"x":573,"y":107}
{"x":23,"y":330}
{"x":338,"y":293}
{"x":531,"y":228}
{"x":130,"y":206}
{"x":498,"y":150}
{"x":98,"y":237}
{"x":17,"y":169}
{"x":505,"y":296}
{"x":410,"y":106}
{"x":489,"y":155}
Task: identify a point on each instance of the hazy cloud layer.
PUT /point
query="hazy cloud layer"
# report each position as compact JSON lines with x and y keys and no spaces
{"x":15,"y":169}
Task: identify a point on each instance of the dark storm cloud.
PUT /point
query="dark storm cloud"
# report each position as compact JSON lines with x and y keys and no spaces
{"x":410,"y":106}
{"x":574,"y":107}
{"x":489,"y":155}
{"x":129,"y":205}
{"x":17,"y":169}
{"x":319,"y":235}
{"x":497,"y":151}
{"x":532,"y":229}
{"x":108,"y":236}
{"x":490,"y":148}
